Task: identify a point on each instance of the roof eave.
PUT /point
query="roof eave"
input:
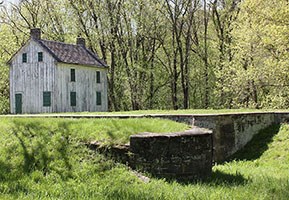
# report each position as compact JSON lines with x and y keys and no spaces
{"x":86,"y":65}
{"x":48,"y":50}
{"x":9,"y":62}
{"x":96,"y":58}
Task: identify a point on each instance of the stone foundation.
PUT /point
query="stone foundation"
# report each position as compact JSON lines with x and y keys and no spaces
{"x":231,"y":132}
{"x":170,"y":156}
{"x":181,"y":156}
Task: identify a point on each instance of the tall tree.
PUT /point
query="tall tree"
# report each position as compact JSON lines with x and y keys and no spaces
{"x":224,"y":16}
{"x":260,"y":61}
{"x":181,"y":15}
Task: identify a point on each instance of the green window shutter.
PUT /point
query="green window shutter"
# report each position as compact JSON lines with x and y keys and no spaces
{"x":72,"y":98}
{"x":98,"y":98}
{"x":98,"y":77}
{"x":47,"y":99}
{"x":24,"y":57}
{"x":72,"y":75}
{"x":40,"y":56}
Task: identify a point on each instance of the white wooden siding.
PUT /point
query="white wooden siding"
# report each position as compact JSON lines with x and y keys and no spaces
{"x":31,"y":79}
{"x":85,"y":87}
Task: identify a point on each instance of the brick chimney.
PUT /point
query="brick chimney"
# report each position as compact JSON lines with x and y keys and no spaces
{"x":35,"y":33}
{"x":80,"y":41}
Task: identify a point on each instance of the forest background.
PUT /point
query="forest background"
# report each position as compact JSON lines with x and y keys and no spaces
{"x":166,"y":54}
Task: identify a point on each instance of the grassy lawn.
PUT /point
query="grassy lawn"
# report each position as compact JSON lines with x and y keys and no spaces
{"x":46,"y":159}
{"x":110,"y":131}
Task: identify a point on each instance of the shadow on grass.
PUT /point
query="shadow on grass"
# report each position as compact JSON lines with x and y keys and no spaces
{"x":252,"y":151}
{"x":111,"y":135}
{"x":217,"y":178}
{"x":258,"y":145}
{"x":221,"y":178}
{"x":41,"y":147}
{"x":5,"y":168}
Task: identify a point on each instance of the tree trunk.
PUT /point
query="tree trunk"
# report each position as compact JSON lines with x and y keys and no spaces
{"x":206,"y":74}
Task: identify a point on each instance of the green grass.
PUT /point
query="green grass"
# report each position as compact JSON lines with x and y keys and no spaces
{"x":46,"y":159}
{"x":109,"y":131}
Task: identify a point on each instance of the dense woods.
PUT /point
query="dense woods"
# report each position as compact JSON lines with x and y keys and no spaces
{"x":167,"y":54}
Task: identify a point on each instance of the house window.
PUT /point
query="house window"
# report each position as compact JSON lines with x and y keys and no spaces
{"x":46,"y":99}
{"x":98,"y":98}
{"x":40,"y":56}
{"x":72,"y":75}
{"x":72,"y":98}
{"x":24,"y":57}
{"x":98,"y":77}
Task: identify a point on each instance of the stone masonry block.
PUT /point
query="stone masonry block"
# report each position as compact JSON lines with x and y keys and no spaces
{"x":183,"y":155}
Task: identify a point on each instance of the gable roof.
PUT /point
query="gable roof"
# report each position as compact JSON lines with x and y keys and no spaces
{"x":71,"y":54}
{"x":67,"y":53}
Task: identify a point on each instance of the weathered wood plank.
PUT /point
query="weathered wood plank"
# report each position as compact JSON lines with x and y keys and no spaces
{"x":33,"y":78}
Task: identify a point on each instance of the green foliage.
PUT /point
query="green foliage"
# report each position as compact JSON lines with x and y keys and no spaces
{"x":42,"y":159}
{"x":4,"y":89}
{"x":168,"y":54}
{"x":258,"y":71}
{"x":7,"y":48}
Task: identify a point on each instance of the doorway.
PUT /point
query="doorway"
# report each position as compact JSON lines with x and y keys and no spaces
{"x":18,"y":103}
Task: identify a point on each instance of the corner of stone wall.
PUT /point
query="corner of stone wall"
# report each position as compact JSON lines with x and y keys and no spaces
{"x":182,"y":156}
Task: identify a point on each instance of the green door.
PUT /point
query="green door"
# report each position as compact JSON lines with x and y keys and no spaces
{"x":18,"y":103}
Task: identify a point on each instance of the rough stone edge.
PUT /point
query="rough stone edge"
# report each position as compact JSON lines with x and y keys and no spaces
{"x":194,"y":131}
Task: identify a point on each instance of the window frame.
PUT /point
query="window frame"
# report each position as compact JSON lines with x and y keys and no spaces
{"x":72,"y":75}
{"x":72,"y":98}
{"x":40,"y":55}
{"x":46,"y":98}
{"x":98,"y":79}
{"x":98,"y":98}
{"x":24,"y":58}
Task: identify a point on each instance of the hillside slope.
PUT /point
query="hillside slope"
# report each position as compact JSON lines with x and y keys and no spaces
{"x":48,"y":160}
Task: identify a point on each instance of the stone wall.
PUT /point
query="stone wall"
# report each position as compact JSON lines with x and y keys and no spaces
{"x":190,"y":155}
{"x":182,"y":156}
{"x":282,"y":117}
{"x":233,"y":131}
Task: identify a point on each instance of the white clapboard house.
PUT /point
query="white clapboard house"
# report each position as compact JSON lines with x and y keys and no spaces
{"x":49,"y":76}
